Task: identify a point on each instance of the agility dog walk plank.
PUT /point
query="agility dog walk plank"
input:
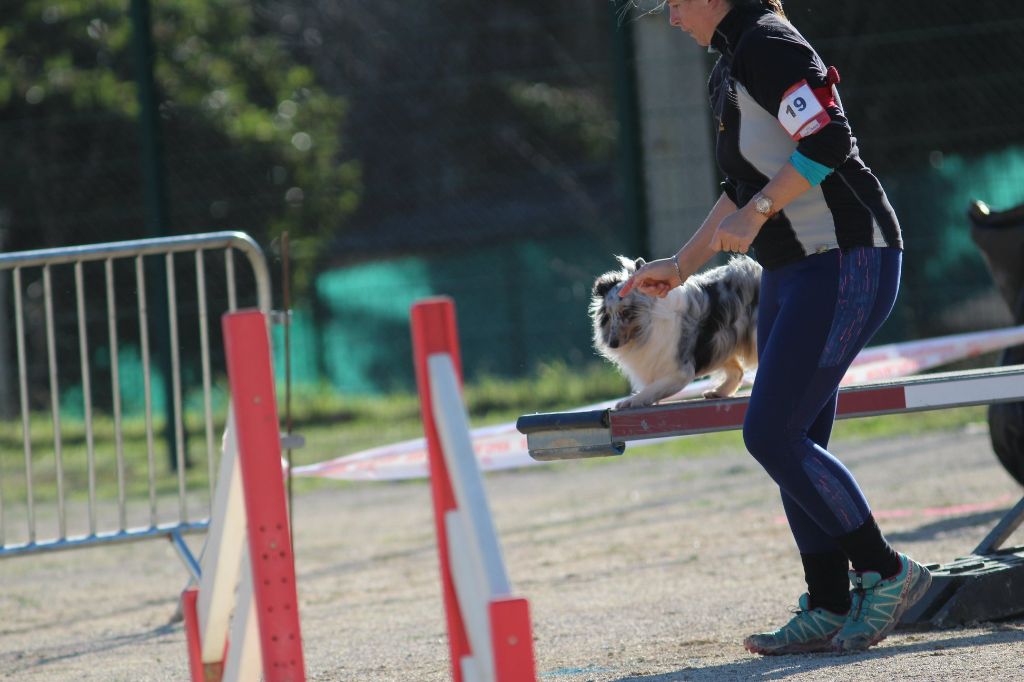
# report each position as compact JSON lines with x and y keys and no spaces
{"x":247,"y":582}
{"x":599,"y":433}
{"x":984,"y":585}
{"x":489,"y":635}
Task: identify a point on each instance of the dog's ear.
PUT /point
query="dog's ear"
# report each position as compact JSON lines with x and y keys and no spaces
{"x":628,"y":264}
{"x":639,"y":263}
{"x":604,"y":284}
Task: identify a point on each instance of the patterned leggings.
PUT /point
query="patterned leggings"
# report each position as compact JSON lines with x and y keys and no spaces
{"x":814,"y":316}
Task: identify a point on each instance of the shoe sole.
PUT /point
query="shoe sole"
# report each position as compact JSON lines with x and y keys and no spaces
{"x":912,"y":592}
{"x":810,"y":648}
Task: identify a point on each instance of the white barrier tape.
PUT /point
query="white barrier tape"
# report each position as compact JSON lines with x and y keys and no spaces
{"x":894,"y":360}
{"x":503,"y":447}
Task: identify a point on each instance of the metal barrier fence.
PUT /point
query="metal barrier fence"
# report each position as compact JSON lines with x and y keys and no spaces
{"x":53,"y":292}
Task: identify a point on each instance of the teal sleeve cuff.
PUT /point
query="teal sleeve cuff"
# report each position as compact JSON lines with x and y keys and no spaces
{"x":813,"y":171}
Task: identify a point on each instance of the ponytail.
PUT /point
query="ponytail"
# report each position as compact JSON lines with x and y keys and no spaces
{"x":771,"y":5}
{"x":775,"y":6}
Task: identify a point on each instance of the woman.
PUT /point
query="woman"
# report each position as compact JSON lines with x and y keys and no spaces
{"x":797,"y":192}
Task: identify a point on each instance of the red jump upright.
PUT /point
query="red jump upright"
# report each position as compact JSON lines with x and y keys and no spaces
{"x":250,"y":499}
{"x":488,"y":629}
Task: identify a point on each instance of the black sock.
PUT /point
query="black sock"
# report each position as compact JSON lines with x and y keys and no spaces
{"x":869,"y":551}
{"x":827,"y":581}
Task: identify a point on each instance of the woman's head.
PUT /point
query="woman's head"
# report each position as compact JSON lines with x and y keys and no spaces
{"x":699,"y":18}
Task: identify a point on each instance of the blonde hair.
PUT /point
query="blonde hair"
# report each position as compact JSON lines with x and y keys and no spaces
{"x":773,"y":5}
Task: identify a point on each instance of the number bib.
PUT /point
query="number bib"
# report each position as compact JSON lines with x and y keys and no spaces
{"x":800,"y":112}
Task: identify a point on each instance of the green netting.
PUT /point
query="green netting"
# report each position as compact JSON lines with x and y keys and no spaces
{"x":943,"y":270}
{"x":518,"y":305}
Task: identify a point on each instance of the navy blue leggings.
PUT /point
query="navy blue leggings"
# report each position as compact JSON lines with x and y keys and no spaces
{"x":814,"y":316}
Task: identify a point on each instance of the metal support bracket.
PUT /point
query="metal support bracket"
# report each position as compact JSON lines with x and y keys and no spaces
{"x":988,"y":584}
{"x":189,"y":559}
{"x":569,"y":435}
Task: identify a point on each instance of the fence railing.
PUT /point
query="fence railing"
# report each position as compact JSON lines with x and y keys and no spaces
{"x":130,"y":313}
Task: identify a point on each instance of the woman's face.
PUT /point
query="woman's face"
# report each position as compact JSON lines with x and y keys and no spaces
{"x":699,"y":18}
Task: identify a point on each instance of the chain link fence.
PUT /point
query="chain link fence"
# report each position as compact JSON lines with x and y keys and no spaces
{"x":489,"y":154}
{"x":930,"y":88}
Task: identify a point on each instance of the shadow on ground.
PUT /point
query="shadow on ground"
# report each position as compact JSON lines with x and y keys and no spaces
{"x":782,"y":667}
{"x":929,"y":531}
{"x":44,"y":656}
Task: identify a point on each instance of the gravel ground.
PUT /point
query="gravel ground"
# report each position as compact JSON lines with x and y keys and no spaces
{"x":645,"y":568}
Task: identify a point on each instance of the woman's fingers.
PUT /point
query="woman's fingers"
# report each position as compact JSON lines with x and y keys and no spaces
{"x":653,"y":287}
{"x":649,"y":280}
{"x":627,"y":287}
{"x":645,"y":285}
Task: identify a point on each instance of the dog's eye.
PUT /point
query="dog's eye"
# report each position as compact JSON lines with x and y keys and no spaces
{"x":604,"y":319}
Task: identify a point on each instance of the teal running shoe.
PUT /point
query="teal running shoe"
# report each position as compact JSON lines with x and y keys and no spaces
{"x":808,"y":631}
{"x":878,"y":604}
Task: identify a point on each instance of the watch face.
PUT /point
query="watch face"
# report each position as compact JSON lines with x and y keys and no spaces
{"x":763,"y":206}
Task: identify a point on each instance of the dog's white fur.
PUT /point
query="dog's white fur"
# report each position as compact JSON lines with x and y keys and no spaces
{"x":707,"y":325}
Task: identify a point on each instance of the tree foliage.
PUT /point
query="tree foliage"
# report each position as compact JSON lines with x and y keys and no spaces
{"x":251,"y":140}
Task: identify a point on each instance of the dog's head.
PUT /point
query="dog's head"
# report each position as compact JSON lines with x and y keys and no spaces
{"x":617,"y":321}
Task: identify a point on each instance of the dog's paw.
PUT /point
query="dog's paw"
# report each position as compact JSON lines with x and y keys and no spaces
{"x":711,"y":395}
{"x":633,"y":401}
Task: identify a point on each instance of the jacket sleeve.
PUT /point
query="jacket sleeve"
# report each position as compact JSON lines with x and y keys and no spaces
{"x":730,"y":190}
{"x":771,"y":65}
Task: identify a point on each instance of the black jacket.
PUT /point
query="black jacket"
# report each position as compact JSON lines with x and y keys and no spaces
{"x":767,"y":82}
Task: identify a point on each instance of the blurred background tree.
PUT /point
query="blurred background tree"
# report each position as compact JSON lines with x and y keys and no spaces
{"x":501,"y":153}
{"x":251,"y":141}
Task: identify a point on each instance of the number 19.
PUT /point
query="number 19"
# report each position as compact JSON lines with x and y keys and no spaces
{"x":799,"y":103}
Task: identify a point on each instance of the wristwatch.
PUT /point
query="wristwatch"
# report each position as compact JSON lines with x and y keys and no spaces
{"x":763,"y":204}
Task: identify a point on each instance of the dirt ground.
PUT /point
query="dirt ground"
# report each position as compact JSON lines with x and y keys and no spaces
{"x":644,"y":568}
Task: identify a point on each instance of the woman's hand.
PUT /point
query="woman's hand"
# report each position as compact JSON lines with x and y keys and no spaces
{"x":737,"y":230}
{"x":656,"y":278}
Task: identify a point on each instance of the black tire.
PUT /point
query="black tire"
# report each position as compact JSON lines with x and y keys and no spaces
{"x":1006,"y":425}
{"x":1000,"y":238}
